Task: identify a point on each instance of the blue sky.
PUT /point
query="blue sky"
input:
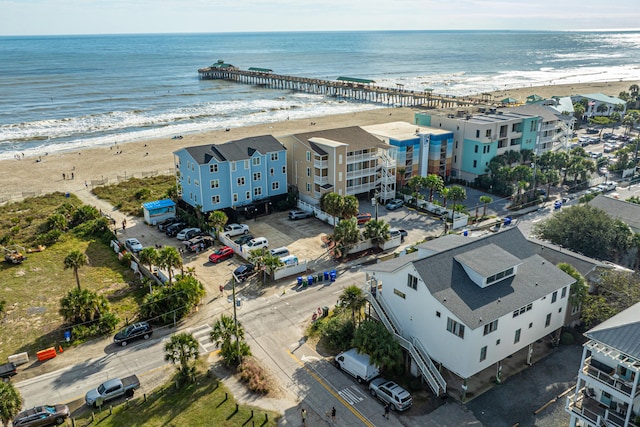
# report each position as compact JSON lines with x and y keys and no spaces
{"x":38,"y":17}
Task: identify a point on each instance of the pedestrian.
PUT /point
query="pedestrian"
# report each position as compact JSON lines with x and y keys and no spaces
{"x":64,"y":176}
{"x":386,"y":411}
{"x":124,"y":224}
{"x":303,"y":413}
{"x":221,"y":289}
{"x":72,"y":175}
{"x":333,"y":414}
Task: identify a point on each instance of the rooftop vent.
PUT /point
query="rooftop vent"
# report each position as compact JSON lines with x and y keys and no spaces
{"x":468,"y":116}
{"x":482,"y":109}
{"x":492,"y":110}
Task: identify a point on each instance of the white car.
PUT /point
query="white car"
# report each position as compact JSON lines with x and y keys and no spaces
{"x":188,"y":233}
{"x":133,"y":245}
{"x":236,"y":229}
{"x":257,"y":243}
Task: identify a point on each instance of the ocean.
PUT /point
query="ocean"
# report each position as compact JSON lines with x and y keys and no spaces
{"x":71,"y":92}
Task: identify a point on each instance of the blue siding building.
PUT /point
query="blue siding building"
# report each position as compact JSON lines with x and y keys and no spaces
{"x":233,"y":174}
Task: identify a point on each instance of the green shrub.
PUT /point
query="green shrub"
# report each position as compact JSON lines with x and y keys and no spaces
{"x":567,"y":338}
{"x":126,"y":258}
{"x":48,"y":238}
{"x":338,"y":331}
{"x":142,"y":194}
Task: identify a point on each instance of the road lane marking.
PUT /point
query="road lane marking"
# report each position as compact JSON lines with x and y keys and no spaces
{"x":351,"y":395}
{"x":333,"y":393}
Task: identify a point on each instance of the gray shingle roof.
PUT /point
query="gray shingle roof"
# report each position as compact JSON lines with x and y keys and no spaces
{"x":448,"y":283}
{"x":621,"y":332}
{"x":487,"y":260}
{"x":627,"y":212}
{"x":355,"y":136}
{"x":241,"y":149}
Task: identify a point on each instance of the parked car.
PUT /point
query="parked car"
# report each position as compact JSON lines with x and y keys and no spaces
{"x":592,"y":130}
{"x":389,"y":392}
{"x":363,"y":218}
{"x":193,"y":244}
{"x":358,"y":365}
{"x":243,"y":272}
{"x":45,"y":415}
{"x":245,"y":238}
{"x":279,"y":252}
{"x":221,"y":254}
{"x":174,"y":229}
{"x":135,"y":331}
{"x":162,"y":225}
{"x":112,"y":389}
{"x":133,"y":245}
{"x":257,"y":243}
{"x":7,"y":370}
{"x":394,"y":204}
{"x":188,"y":233}
{"x":299,"y":214}
{"x":236,"y":229}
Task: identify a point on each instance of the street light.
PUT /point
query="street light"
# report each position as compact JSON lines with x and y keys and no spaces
{"x":374,"y":202}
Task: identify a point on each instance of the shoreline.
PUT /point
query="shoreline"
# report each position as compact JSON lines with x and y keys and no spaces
{"x":108,"y":164}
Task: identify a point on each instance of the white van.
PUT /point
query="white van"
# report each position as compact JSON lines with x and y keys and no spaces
{"x":257,"y":243}
{"x":357,"y":365}
{"x":279,"y":252}
{"x":289,"y":260}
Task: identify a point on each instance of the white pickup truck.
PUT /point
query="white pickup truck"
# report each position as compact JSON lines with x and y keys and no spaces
{"x":112,"y":389}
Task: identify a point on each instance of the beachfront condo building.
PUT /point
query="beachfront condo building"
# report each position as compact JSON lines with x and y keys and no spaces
{"x":347,"y":161}
{"x":232,"y":175}
{"x":478,"y":137}
{"x":463,"y":306}
{"x":607,"y":392}
{"x":417,"y":150}
{"x":599,"y":104}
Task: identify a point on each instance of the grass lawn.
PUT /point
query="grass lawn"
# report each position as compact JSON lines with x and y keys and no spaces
{"x":32,"y":290}
{"x":128,"y":196}
{"x":205,"y":403}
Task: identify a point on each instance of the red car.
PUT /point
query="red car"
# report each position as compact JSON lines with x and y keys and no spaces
{"x":221,"y":254}
{"x":363,"y":218}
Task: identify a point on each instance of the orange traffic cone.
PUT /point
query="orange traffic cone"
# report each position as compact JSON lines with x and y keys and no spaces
{"x":60,"y":350}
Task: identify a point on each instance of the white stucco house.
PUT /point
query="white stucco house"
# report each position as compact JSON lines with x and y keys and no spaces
{"x":462,"y":304}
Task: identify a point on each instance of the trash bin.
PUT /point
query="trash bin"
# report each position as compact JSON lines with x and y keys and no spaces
{"x":465,"y":233}
{"x":325,"y":311}
{"x":67,"y":195}
{"x":326,"y":275}
{"x":332,"y":275}
{"x":67,"y":336}
{"x":238,"y":302}
{"x":507,"y":220}
{"x":304,"y":283}
{"x":310,"y":280}
{"x":319,"y":277}
{"x":299,"y":280}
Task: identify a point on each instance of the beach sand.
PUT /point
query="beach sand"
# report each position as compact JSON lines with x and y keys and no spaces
{"x":91,"y":167}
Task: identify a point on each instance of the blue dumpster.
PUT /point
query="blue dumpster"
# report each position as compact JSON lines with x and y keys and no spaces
{"x":332,"y":275}
{"x":326,"y":275}
{"x":299,"y":280}
{"x":310,"y":280}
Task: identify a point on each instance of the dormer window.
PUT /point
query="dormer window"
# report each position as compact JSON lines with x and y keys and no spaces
{"x":488,"y":264}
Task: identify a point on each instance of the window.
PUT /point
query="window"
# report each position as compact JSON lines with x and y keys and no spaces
{"x":437,"y":314}
{"x":257,"y":176}
{"x":215,"y":200}
{"x":339,"y":176}
{"x":533,"y":126}
{"x":275,"y":185}
{"x":247,"y":195}
{"x":477,"y":136}
{"x":257,"y":191}
{"x":308,"y":187}
{"x":241,"y":181}
{"x":475,"y":163}
{"x":516,"y":339}
{"x":530,"y":325}
{"x":213,"y":168}
{"x":272,"y":172}
{"x":400,"y":294}
{"x":483,"y":353}
{"x":256,"y":161}
{"x":215,"y":183}
{"x":246,"y":164}
{"x":196,"y":182}
{"x":488,"y":133}
{"x":490,"y":327}
{"x":547,"y":322}
{"x":340,"y":159}
{"x":233,"y":166}
{"x":274,"y":157}
{"x":522,"y":310}
{"x":498,"y":341}
{"x":554,"y":297}
{"x":284,"y":170}
{"x":475,"y":149}
{"x":455,"y":328}
{"x":564,"y":292}
{"x":189,"y":180}
{"x":308,"y":171}
{"x":412,"y":282}
{"x":575,"y":309}
{"x":235,"y":197}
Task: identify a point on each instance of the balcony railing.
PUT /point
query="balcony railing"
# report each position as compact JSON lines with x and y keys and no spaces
{"x":320,"y":179}
{"x":361,"y":172}
{"x":611,"y":380}
{"x":594,"y":412}
{"x":321,"y":164}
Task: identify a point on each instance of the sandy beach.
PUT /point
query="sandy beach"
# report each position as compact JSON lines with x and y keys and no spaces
{"x":90,"y":167}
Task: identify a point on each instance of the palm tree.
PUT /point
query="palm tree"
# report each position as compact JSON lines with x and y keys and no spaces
{"x":75,"y":259}
{"x":485,"y":200}
{"x":83,"y":305}
{"x":444,"y":193}
{"x":401,"y":174}
{"x":352,"y":298}
{"x":149,"y":256}
{"x":416,"y":183}
{"x":332,"y":203}
{"x":635,"y":242}
{"x":229,"y":336}
{"x":217,"y":220}
{"x":350,"y":207}
{"x":182,"y":348}
{"x":345,"y":234}
{"x":434,"y":183}
{"x":456,"y":194}
{"x":169,"y":258}
{"x":10,"y":402}
{"x":377,"y":231}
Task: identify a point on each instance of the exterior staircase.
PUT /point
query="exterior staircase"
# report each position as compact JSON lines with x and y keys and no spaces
{"x":415,"y":348}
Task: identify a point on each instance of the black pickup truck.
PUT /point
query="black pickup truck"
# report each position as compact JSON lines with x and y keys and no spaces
{"x":7,"y":371}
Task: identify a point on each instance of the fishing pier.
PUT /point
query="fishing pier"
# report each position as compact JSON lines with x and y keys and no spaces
{"x":344,"y":87}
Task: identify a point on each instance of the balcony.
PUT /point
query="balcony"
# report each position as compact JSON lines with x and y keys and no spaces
{"x":608,"y":378}
{"x":594,"y":412}
{"x":321,"y":164}
{"x":361,"y":172}
{"x":317,"y":179}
